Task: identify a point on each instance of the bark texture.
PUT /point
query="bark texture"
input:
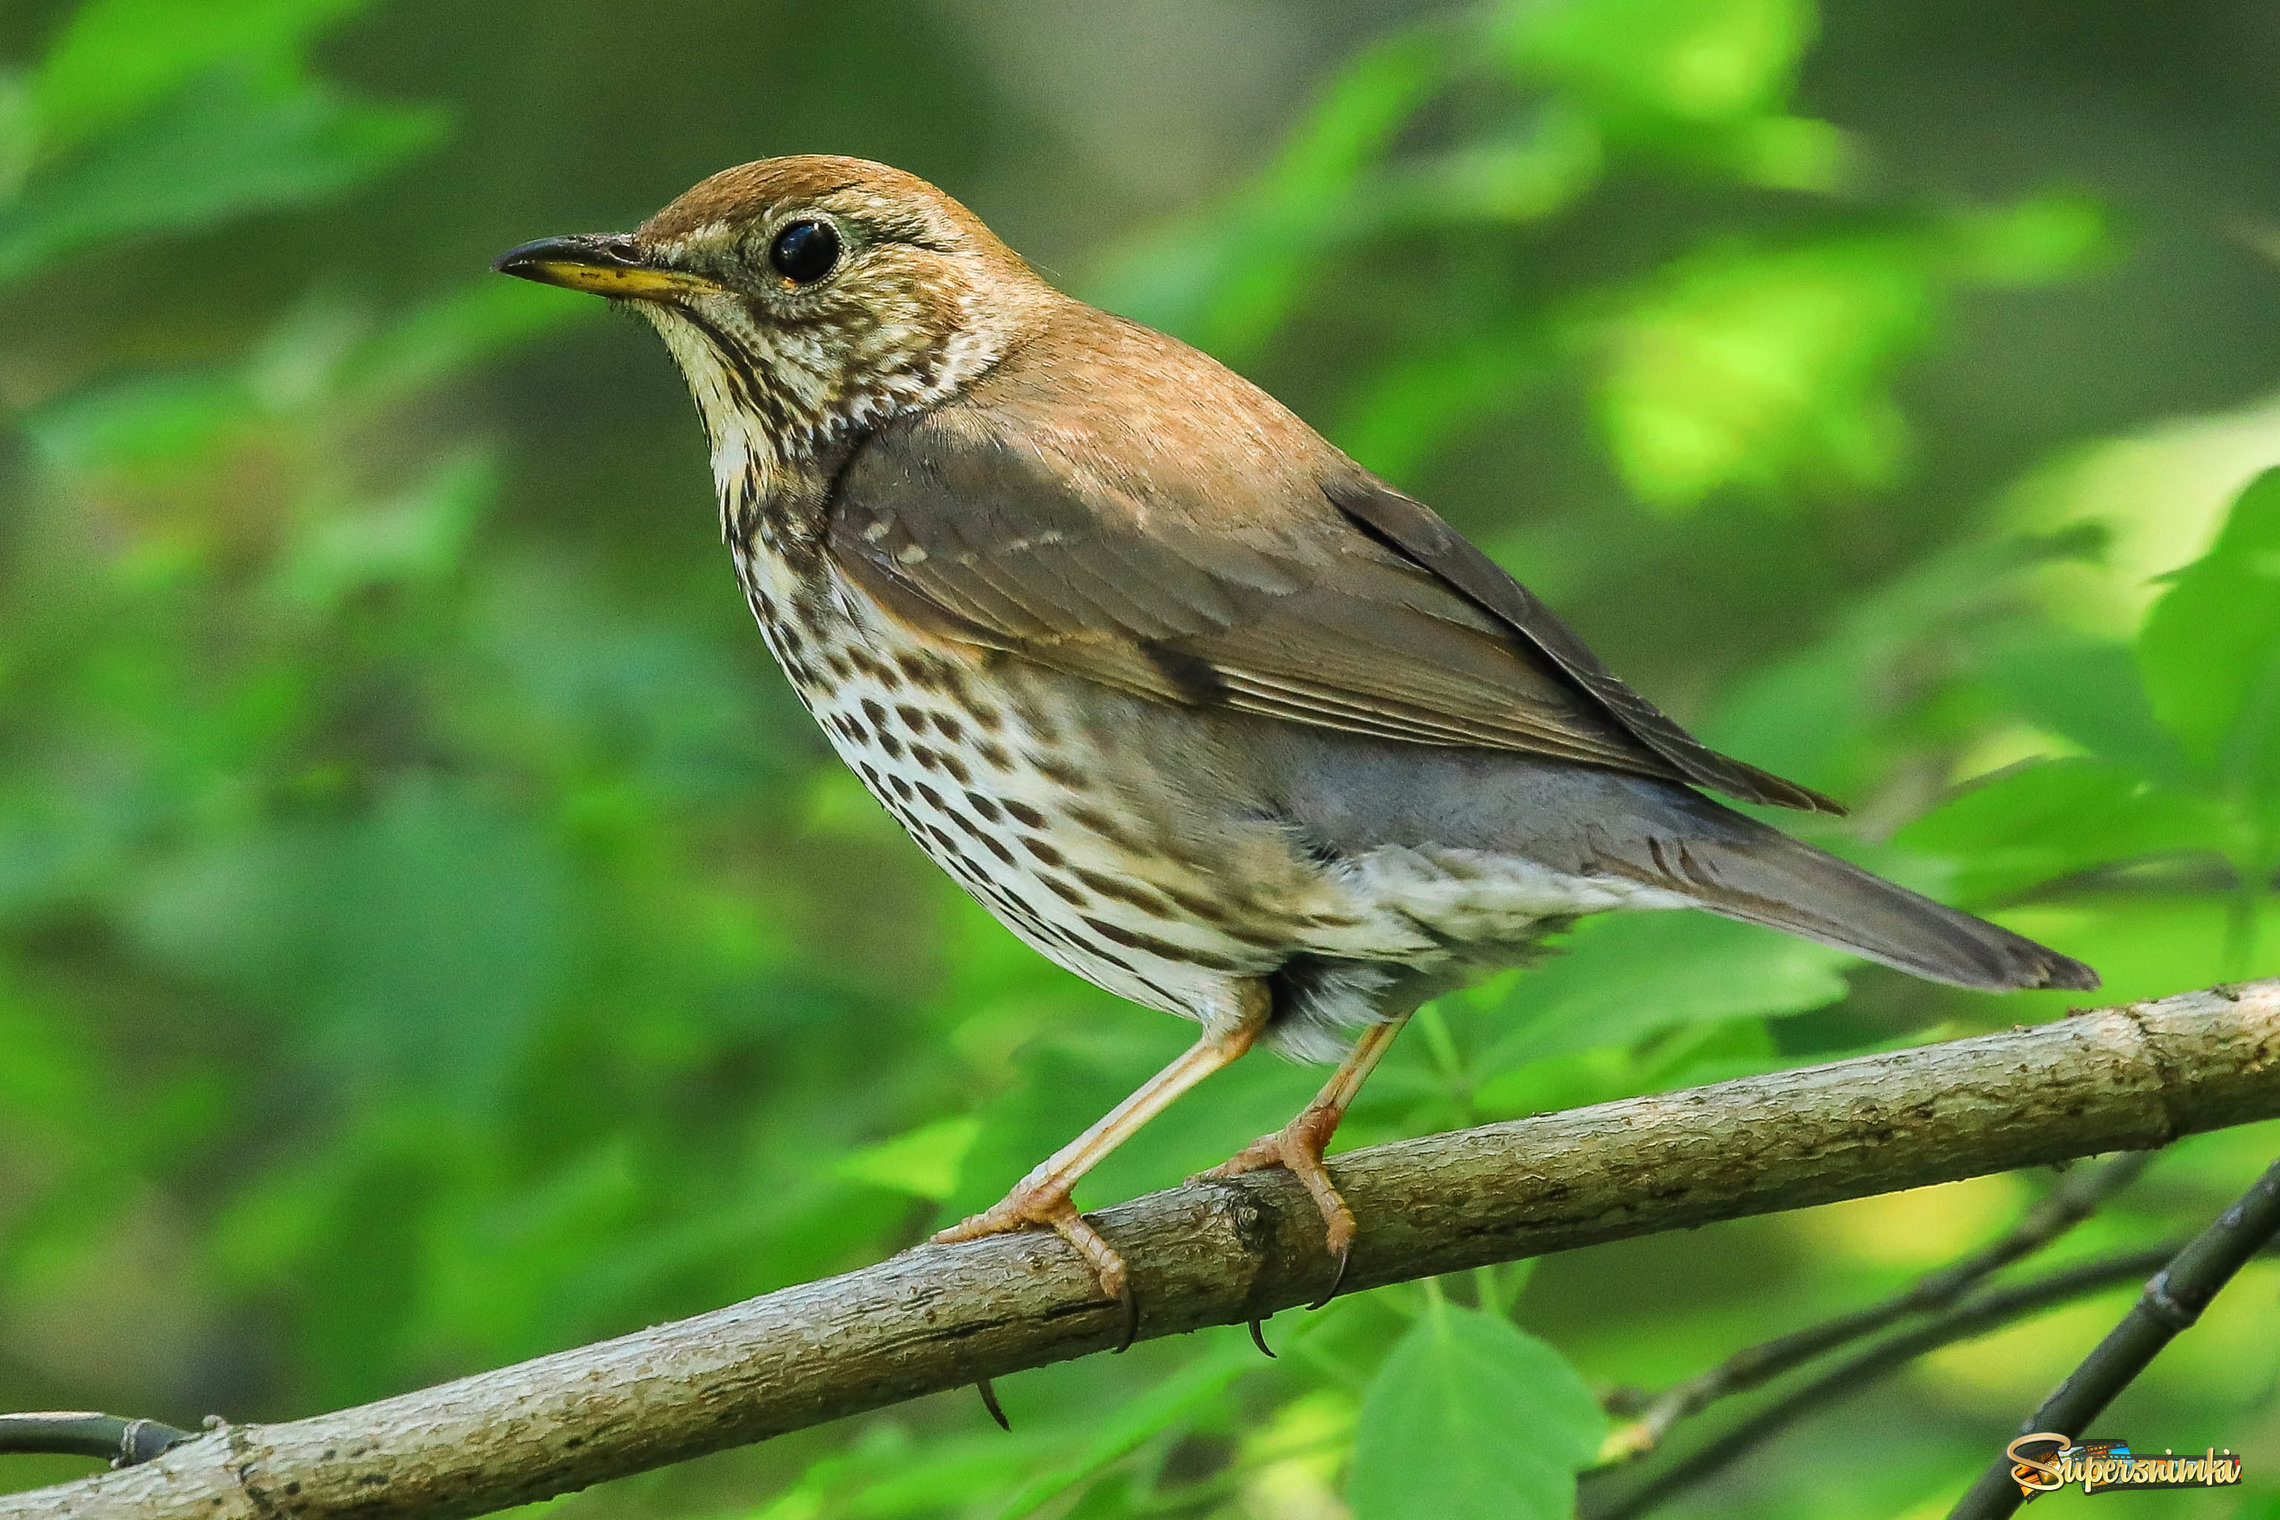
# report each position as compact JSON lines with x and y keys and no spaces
{"x":938,"y":1317}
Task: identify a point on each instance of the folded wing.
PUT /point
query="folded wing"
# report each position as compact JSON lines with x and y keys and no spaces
{"x":1338,"y":603}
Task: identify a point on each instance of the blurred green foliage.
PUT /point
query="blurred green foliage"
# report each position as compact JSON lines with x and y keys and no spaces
{"x":430,"y":935}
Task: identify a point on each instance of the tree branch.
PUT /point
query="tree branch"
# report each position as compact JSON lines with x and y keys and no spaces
{"x":2075,"y":1199}
{"x":940,"y":1317}
{"x":1857,"y":1373}
{"x":2171,"y":1302}
{"x":84,"y":1433}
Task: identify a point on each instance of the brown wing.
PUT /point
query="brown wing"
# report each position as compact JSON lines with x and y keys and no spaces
{"x":1417,"y":532}
{"x":1347,"y":607}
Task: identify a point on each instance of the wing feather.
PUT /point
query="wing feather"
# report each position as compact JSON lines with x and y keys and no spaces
{"x":1338,"y":604}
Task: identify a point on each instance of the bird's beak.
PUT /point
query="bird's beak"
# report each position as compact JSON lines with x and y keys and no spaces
{"x":605,"y":263}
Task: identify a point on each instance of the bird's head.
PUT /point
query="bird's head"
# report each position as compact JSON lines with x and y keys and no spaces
{"x":805,"y":298}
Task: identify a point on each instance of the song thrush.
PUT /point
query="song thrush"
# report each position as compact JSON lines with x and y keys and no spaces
{"x":1196,"y":705}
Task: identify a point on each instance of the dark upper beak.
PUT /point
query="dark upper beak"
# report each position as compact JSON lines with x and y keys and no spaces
{"x":605,"y":263}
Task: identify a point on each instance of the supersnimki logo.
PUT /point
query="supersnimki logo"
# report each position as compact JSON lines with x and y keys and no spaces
{"x":2045,"y":1462}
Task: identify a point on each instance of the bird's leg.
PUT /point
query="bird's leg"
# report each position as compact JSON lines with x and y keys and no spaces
{"x":1298,"y":1146}
{"x":1042,"y":1197}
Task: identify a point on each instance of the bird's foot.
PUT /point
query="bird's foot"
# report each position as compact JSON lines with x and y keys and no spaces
{"x":1048,"y":1206}
{"x":1297,"y":1148}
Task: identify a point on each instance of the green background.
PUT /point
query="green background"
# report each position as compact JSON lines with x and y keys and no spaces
{"x":431,"y":934}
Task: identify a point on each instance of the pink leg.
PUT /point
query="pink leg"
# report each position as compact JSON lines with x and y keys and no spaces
{"x":1042,"y":1197}
{"x":1298,"y":1146}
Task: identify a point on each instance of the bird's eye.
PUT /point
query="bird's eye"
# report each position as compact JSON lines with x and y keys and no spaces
{"x":804,"y":252}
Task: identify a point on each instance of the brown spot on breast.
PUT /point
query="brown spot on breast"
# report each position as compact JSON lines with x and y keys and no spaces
{"x":1098,"y":822}
{"x":982,"y":805}
{"x":1194,"y":905}
{"x":1024,"y":813}
{"x":1123,"y":891}
{"x":993,"y":754}
{"x":921,"y":672}
{"x":1054,"y":769}
{"x":1162,"y":948}
{"x":1044,"y":852}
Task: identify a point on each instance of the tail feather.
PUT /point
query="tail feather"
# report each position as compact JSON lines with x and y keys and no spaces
{"x":1760,"y":875}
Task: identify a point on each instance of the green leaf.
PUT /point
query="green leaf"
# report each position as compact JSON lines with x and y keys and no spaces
{"x":114,"y":57}
{"x":140,"y":422}
{"x":1410,"y":408}
{"x":2040,"y":822}
{"x":1177,"y":1400}
{"x":446,"y":335}
{"x":1230,"y":276}
{"x":2032,"y":242}
{"x":924,"y":1162}
{"x":424,"y":941}
{"x":1517,"y":176}
{"x":223,"y":147}
{"x":2088,"y":691}
{"x":2150,"y":944}
{"x":1834,"y":714}
{"x":1623,"y":976}
{"x":1765,"y":369}
{"x":1684,"y":61}
{"x":319,"y":355}
{"x":1470,"y":1417}
{"x":19,"y":132}
{"x":2211,"y":651}
{"x":418,"y":535}
{"x":1780,"y":153}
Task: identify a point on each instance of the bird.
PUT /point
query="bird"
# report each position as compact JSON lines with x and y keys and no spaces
{"x":1193,"y":703}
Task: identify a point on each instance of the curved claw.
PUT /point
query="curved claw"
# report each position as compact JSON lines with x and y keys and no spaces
{"x":1131,"y":1314}
{"x":990,"y":1402}
{"x":1259,"y":1339}
{"x":1337,"y":1279}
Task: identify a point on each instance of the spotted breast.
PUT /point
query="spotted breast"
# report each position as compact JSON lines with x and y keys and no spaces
{"x":999,"y":773}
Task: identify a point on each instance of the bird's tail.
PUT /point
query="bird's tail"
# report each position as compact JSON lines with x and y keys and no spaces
{"x":1740,"y":868}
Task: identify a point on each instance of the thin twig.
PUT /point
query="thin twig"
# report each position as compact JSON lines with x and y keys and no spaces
{"x":84,"y":1433}
{"x":2170,"y":1304}
{"x":2078,"y":1196}
{"x":1855,"y":1374}
{"x":940,"y":1317}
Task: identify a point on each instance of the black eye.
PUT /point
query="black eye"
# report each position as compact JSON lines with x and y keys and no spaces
{"x":805,"y":251}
